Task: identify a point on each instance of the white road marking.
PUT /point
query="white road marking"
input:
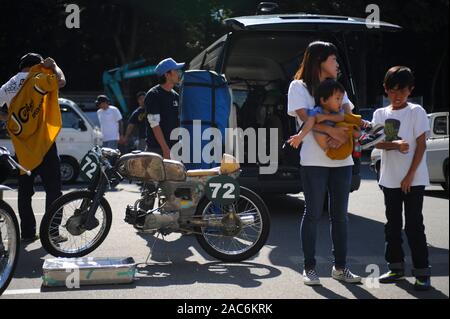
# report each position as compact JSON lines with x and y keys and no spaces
{"x":22,"y":292}
{"x":15,"y":198}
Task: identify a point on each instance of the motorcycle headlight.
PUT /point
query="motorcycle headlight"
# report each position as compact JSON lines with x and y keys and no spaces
{"x":110,"y":153}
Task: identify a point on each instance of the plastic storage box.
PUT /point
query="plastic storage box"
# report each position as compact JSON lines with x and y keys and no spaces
{"x":75,"y":272}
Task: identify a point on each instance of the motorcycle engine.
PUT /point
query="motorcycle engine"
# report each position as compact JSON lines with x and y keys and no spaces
{"x":163,"y":222}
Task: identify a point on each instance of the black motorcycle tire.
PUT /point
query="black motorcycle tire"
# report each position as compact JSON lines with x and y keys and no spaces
{"x":55,"y":207}
{"x":7,"y":210}
{"x":265,"y":219}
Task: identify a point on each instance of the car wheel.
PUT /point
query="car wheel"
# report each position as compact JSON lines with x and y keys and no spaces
{"x":69,"y":170}
{"x":445,"y":185}
{"x":377,"y":169}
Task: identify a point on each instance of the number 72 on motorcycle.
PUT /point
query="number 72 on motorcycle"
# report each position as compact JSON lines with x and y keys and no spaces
{"x":89,"y":167}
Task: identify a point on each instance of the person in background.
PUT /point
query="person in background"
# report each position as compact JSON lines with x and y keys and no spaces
{"x":162,"y":107}
{"x":46,"y":163}
{"x":111,"y":122}
{"x":137,"y":120}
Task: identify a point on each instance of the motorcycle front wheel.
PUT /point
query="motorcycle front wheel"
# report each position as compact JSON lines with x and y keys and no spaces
{"x":250,"y":238}
{"x":9,"y":245}
{"x":62,"y":231}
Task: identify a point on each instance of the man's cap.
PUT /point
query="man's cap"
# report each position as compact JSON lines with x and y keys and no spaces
{"x":29,"y":60}
{"x":168,"y":65}
{"x":100,"y":99}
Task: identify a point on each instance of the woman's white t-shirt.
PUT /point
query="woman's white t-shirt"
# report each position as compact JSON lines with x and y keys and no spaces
{"x":311,"y":153}
{"x":394,"y":164}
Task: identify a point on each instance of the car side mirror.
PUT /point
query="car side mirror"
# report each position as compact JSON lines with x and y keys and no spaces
{"x":82,"y":125}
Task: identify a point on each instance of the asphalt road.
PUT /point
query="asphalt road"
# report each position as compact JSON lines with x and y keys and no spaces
{"x":179,"y":269}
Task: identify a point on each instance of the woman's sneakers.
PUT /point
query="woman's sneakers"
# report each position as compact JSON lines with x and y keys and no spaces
{"x":310,"y":278}
{"x":346,"y":276}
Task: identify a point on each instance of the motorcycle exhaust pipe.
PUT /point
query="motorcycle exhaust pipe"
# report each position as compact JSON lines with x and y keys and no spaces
{"x":218,"y":221}
{"x":247,"y":220}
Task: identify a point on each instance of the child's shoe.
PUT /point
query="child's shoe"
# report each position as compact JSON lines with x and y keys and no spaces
{"x":422,"y":284}
{"x":392,"y":276}
{"x":368,"y":140}
{"x":375,"y":129}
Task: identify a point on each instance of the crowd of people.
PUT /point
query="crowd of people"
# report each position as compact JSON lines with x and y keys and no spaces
{"x":320,"y":105}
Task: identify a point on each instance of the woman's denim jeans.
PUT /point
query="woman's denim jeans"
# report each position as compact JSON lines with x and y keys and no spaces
{"x":316,"y":182}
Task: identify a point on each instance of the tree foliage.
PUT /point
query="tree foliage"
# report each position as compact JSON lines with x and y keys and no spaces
{"x":114,"y":32}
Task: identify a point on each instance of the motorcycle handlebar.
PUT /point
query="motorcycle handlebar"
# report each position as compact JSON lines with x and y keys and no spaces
{"x":4,"y":152}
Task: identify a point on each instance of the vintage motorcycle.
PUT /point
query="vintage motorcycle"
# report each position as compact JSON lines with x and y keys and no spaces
{"x":9,"y":226}
{"x":173,"y":200}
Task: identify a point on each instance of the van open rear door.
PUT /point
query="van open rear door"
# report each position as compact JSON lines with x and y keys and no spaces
{"x":307,"y":22}
{"x":339,"y":26}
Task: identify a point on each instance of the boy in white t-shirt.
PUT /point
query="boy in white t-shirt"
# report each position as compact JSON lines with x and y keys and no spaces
{"x":404,"y":176}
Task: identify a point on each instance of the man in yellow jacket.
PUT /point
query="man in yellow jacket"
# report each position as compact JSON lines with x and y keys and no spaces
{"x":34,"y":121}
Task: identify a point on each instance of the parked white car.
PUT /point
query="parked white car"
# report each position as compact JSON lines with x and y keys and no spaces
{"x":437,"y":150}
{"x":78,"y":135}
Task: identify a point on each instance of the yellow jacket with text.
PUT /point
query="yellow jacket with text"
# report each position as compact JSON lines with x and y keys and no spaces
{"x":34,"y":117}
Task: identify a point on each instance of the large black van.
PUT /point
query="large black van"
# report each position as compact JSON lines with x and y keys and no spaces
{"x":259,"y":58}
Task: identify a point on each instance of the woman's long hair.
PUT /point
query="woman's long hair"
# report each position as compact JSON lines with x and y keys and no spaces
{"x":316,"y":53}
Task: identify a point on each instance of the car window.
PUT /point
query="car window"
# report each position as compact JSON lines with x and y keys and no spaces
{"x":196,"y":63}
{"x":212,"y":57}
{"x":440,"y":125}
{"x":70,"y":119}
{"x":92,"y":118}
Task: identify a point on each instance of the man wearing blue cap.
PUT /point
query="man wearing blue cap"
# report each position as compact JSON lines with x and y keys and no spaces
{"x":161,"y":104}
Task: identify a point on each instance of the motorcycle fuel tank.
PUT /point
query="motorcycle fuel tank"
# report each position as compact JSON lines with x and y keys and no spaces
{"x":142,"y":166}
{"x":175,"y":171}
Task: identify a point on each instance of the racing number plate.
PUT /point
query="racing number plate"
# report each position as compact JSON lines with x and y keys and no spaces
{"x":223,"y":190}
{"x":89,"y":166}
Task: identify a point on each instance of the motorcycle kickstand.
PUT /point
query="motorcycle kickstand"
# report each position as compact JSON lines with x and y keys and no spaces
{"x":150,"y":254}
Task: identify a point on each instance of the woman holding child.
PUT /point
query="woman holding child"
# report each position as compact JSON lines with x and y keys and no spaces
{"x":321,"y":174}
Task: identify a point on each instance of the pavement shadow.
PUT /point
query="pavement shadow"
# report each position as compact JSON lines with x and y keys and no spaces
{"x":170,"y":266}
{"x":30,"y":263}
{"x":442,"y":194}
{"x":365,"y":246}
{"x":431,"y":294}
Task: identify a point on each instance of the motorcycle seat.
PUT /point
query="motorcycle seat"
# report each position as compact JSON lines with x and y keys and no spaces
{"x":203,"y":172}
{"x":229,"y":165}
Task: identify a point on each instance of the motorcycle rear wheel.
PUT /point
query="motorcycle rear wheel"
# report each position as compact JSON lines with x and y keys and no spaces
{"x":251,"y":238}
